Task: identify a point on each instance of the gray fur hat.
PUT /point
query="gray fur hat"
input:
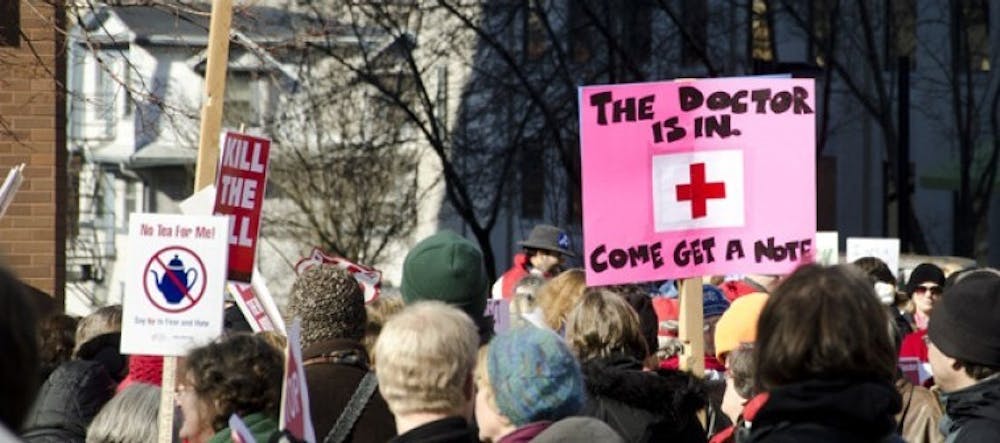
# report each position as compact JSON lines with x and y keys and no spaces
{"x":329,"y":303}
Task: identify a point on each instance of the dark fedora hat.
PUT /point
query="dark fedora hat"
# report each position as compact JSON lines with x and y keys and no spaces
{"x":548,"y":238}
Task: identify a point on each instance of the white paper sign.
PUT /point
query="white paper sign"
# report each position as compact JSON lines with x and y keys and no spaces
{"x":175,"y":283}
{"x":827,"y":248}
{"x":885,"y":249}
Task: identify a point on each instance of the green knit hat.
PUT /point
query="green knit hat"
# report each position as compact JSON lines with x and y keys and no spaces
{"x":447,"y":268}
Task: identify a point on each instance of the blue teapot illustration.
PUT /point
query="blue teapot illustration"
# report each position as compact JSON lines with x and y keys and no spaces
{"x":173,"y":289}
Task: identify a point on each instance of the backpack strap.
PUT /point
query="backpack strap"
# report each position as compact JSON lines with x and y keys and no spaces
{"x":342,"y":428}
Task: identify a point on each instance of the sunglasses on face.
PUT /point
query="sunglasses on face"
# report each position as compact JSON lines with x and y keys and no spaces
{"x":932,"y":290}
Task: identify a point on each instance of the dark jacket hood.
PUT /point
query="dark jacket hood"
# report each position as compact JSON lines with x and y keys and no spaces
{"x":663,"y":392}
{"x":104,"y":349}
{"x":865,"y":408}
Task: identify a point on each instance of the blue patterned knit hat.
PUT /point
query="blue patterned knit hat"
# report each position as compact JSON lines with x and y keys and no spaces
{"x":534,"y":376}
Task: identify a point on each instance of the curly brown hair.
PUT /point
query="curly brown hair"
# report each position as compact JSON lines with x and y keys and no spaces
{"x":239,"y":374}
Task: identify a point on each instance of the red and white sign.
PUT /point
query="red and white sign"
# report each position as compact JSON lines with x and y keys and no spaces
{"x":690,"y":178}
{"x":295,"y":416}
{"x":240,"y":186}
{"x":255,"y":301}
{"x":370,"y":279}
{"x":176,"y":276}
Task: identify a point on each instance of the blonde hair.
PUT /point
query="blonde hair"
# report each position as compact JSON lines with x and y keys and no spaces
{"x":102,"y":321}
{"x":379,"y":311}
{"x":603,"y":324}
{"x":424,"y":357}
{"x":557,"y":297}
{"x":129,"y":417}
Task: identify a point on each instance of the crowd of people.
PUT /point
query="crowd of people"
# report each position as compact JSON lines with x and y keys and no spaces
{"x":811,"y":356}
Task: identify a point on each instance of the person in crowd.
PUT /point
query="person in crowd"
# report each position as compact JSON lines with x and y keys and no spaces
{"x":526,"y":379}
{"x":544,"y":252}
{"x":735,"y":334}
{"x":57,"y":335}
{"x":425,"y":358}
{"x":239,"y":374}
{"x":558,"y":296}
{"x":918,"y":421}
{"x":714,"y":304}
{"x":19,"y":364}
{"x":639,"y":298}
{"x":885,"y":289}
{"x":331,"y":307}
{"x":964,"y":352}
{"x":75,"y":392}
{"x":925,"y":288}
{"x":603,"y":332}
{"x":448,"y":268}
{"x":105,"y":320}
{"x":824,"y":362}
{"x":146,"y":369}
{"x":130,"y":417}
{"x":524,"y":307}
{"x":378,"y":312}
{"x":734,"y":287}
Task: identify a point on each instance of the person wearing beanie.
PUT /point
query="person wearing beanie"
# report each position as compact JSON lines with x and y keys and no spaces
{"x":331,"y":308}
{"x":735,"y":333}
{"x":925,"y":288}
{"x":526,"y":379}
{"x":545,"y":250}
{"x":964,"y":352}
{"x":448,"y":268}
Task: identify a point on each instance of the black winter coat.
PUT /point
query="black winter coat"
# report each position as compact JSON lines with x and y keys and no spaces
{"x":973,"y":413}
{"x":828,"y":411}
{"x":644,"y":406}
{"x":67,"y":402}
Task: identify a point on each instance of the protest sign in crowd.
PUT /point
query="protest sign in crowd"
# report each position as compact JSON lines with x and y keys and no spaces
{"x":783,"y":349}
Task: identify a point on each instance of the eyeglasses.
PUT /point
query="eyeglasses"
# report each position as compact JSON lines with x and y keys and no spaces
{"x":180,"y":389}
{"x":933,"y":290}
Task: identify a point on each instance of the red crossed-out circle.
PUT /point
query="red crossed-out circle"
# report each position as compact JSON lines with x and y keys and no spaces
{"x":153,"y":298}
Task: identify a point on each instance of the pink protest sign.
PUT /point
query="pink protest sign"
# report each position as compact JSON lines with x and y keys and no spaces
{"x":692,"y":178}
{"x":295,"y":416}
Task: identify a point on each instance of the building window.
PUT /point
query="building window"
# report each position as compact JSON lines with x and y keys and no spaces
{"x":238,"y":109}
{"x":532,"y":182}
{"x":10,"y":23}
{"x":536,"y":41}
{"x":976,"y":24}
{"x":901,"y":37}
{"x":637,"y":28}
{"x":580,"y":30}
{"x":695,"y":41}
{"x":106,"y":88}
{"x":819,"y":18}
{"x":760,"y":32}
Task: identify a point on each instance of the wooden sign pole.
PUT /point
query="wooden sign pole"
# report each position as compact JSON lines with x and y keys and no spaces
{"x":208,"y":157}
{"x":692,"y":330}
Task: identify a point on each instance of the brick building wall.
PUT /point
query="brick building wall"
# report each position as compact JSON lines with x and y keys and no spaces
{"x":32,"y":131}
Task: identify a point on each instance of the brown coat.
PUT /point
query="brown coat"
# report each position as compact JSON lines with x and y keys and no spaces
{"x":331,"y":385}
{"x":918,"y":420}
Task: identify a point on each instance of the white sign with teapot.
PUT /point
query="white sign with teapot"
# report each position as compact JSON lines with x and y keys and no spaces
{"x":176,"y":279}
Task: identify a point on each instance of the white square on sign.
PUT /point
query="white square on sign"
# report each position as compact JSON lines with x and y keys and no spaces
{"x":698,"y":190}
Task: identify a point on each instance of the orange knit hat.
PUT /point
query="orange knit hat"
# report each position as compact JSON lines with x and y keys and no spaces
{"x":738,"y":324}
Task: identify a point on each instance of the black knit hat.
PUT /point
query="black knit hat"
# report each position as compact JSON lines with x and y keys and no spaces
{"x":964,"y":323}
{"x":923,"y":273}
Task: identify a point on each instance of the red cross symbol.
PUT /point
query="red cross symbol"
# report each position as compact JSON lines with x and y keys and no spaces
{"x":698,"y":192}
